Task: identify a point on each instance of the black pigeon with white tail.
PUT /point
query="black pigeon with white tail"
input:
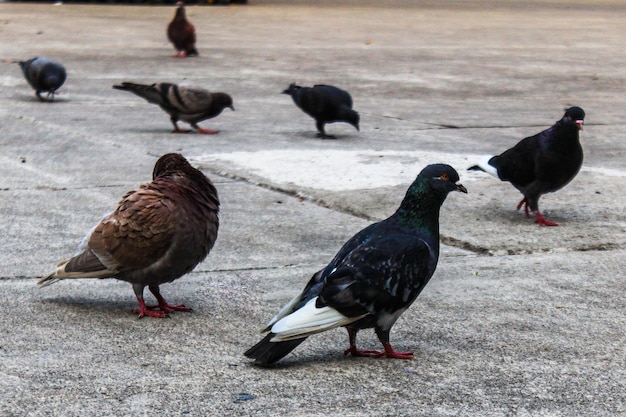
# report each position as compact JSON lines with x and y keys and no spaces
{"x":372,"y":280}
{"x":542,"y":163}
{"x":326,"y":104}
{"x":44,"y":75}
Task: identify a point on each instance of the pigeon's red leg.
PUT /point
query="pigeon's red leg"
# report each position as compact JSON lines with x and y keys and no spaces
{"x":144,"y":310}
{"x":180,"y":54}
{"x":388,"y":352}
{"x":542,"y":220}
{"x":162,"y":304}
{"x":352,"y":350}
{"x":391,"y":353}
{"x":524,"y":202}
{"x":207,"y":131}
{"x":176,"y":128}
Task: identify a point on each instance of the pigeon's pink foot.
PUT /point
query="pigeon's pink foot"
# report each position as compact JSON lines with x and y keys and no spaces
{"x":542,"y":220}
{"x":389,"y":352}
{"x":149,"y":311}
{"x":524,"y":202}
{"x":181,"y":54}
{"x":207,"y":131}
{"x":160,"y":310}
{"x":352,"y":350}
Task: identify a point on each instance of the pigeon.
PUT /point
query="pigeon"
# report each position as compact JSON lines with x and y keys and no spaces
{"x":373,"y":278}
{"x":542,"y":163}
{"x":158,"y":233}
{"x":326,"y":104}
{"x":182,"y":33}
{"x":44,"y":75}
{"x":189,"y":104}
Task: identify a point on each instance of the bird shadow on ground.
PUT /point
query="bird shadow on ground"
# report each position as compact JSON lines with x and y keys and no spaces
{"x":307,"y":134}
{"x":82,"y":305}
{"x":330,"y":358}
{"x":33,"y":99}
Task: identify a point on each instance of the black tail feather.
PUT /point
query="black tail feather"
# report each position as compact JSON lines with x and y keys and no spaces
{"x":266,"y":352}
{"x":475,"y":168}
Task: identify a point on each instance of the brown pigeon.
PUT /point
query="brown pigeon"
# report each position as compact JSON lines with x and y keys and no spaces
{"x":182,"y":33}
{"x":189,"y":104}
{"x":157,"y":234}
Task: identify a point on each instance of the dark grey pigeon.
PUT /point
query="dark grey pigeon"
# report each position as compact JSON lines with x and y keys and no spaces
{"x":44,"y":75}
{"x":189,"y":104}
{"x":157,"y":234}
{"x":372,"y":280}
{"x":542,"y":163}
{"x":326,"y":104}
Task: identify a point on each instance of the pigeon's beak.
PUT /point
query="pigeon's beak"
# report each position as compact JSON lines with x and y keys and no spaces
{"x":459,"y":187}
{"x":580,"y":124}
{"x":232,"y":107}
{"x":285,"y":92}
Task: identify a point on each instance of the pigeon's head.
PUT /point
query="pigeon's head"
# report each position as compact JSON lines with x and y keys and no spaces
{"x":168,"y":163}
{"x":180,"y":11}
{"x":224,"y":100}
{"x":420,"y":207}
{"x":292,"y":89}
{"x":441,"y":179}
{"x":353,"y":118}
{"x":576,"y":115}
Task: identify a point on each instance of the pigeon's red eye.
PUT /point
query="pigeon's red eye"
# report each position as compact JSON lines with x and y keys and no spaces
{"x":445,"y":177}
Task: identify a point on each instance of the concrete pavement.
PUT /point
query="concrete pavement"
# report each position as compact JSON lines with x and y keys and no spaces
{"x":518,"y":320}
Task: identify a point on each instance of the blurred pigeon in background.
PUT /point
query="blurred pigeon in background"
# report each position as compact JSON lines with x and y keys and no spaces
{"x":326,"y":104}
{"x":182,"y":34}
{"x":44,"y":75}
{"x":372,"y":280}
{"x":157,"y":234}
{"x":542,"y":163}
{"x":189,"y":104}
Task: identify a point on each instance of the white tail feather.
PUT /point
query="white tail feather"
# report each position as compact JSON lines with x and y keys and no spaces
{"x":309,"y":320}
{"x":483,"y":164}
{"x":287,"y":309}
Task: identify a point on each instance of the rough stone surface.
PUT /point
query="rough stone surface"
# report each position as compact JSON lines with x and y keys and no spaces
{"x":518,"y":320}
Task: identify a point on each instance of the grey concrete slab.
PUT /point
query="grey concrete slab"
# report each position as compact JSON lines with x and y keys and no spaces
{"x":518,"y":320}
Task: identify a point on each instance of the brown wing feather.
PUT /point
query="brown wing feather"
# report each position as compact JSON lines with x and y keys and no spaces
{"x":138,"y":233}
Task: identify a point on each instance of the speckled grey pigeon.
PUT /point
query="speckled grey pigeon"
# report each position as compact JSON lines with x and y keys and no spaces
{"x":189,"y":104}
{"x":157,"y":234}
{"x":326,"y":104}
{"x":373,"y":278}
{"x":44,"y":75}
{"x":182,"y":34}
{"x":542,"y":163}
